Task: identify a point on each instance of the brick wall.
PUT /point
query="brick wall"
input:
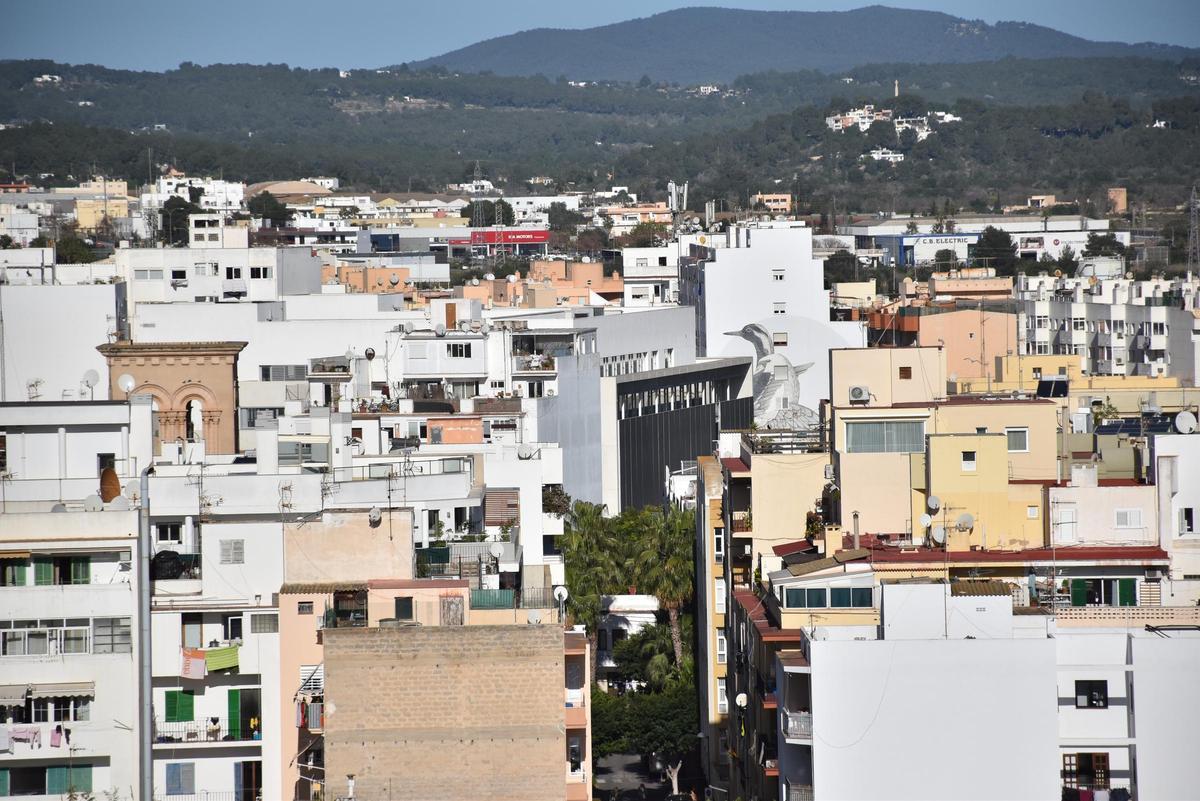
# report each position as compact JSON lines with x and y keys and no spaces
{"x":468,"y":712}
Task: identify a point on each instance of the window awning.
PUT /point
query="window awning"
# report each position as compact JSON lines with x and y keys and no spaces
{"x":63,"y":688}
{"x":14,"y":554}
{"x":13,"y":694}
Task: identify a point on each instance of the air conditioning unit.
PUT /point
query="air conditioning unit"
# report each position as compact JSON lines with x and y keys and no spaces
{"x":860,"y":393}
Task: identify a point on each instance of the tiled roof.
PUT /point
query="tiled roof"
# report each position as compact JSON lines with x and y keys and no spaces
{"x":735,"y":466}
{"x":980,"y":588}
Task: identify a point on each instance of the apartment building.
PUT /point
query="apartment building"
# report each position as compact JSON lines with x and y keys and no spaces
{"x":1117,"y":326}
{"x":761,"y":295}
{"x":774,"y":202}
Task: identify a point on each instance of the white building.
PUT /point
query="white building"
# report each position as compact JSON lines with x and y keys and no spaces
{"x":1117,"y":326}
{"x":886,"y":154}
{"x":762,"y":295}
{"x":216,"y":194}
{"x":1176,"y":464}
{"x":19,"y":223}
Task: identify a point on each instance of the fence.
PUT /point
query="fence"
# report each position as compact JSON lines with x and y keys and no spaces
{"x":206,"y":730}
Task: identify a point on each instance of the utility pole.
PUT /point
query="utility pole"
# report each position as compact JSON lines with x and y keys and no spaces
{"x":1193,"y":248}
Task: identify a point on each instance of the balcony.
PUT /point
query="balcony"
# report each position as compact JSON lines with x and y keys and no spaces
{"x":741,"y":522}
{"x":576,"y":709}
{"x":797,"y":792}
{"x":796,"y":725}
{"x":176,"y":573}
{"x":534,"y":363}
{"x":1127,"y":616}
{"x":205,"y":795}
{"x":209,"y":732}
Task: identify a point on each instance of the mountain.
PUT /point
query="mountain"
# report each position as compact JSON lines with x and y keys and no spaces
{"x":695,"y":45}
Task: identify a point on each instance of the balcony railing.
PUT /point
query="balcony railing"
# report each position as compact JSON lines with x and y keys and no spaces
{"x":171,"y":565}
{"x":534,"y":363}
{"x":493,"y":599}
{"x":797,"y":724}
{"x":220,"y":795}
{"x":798,"y":792}
{"x":206,"y":730}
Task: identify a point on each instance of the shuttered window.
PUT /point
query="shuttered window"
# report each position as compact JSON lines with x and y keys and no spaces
{"x":233,"y":552}
{"x":181,"y":778}
{"x":501,"y":507}
{"x":181,"y":706}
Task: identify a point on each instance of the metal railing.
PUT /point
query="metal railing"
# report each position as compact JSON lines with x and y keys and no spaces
{"x":205,"y":795}
{"x":797,"y":724}
{"x":493,"y":599}
{"x":534,"y":363}
{"x":799,"y":792}
{"x":537,"y":598}
{"x":205,"y":730}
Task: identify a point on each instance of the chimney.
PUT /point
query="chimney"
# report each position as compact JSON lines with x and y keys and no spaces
{"x":896,"y":91}
{"x":856,"y":531}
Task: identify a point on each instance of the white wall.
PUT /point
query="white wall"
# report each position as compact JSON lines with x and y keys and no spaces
{"x":1168,"y":701}
{"x":952,"y":706}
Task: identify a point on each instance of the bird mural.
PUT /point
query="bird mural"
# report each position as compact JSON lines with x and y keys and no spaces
{"x":774,"y":379}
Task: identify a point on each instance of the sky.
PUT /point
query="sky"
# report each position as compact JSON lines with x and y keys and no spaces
{"x":160,"y":34}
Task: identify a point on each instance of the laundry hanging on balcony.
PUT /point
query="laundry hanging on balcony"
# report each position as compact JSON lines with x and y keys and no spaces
{"x":221,"y":658}
{"x":194,"y":666}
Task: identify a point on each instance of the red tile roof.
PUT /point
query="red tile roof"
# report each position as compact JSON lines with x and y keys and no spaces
{"x":417,"y":584}
{"x":788,"y":548}
{"x":757,"y":614}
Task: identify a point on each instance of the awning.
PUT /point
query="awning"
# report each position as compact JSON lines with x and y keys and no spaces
{"x":14,"y":554}
{"x":221,"y":658}
{"x":64,"y":688}
{"x":13,"y":694}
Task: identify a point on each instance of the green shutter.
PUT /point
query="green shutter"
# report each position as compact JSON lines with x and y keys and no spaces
{"x":234,"y":723}
{"x":3,"y":782}
{"x":56,"y":780}
{"x":172,"y":712}
{"x":180,"y":706}
{"x":1127,"y":592}
{"x":1079,"y":592}
{"x":81,"y":570}
{"x":81,"y":778}
{"x":43,"y":571}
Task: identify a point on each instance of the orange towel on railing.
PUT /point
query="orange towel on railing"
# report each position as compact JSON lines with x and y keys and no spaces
{"x":194,"y":665}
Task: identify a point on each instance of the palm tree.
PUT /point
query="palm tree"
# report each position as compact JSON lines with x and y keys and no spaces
{"x":592,"y":569}
{"x":665,"y":566}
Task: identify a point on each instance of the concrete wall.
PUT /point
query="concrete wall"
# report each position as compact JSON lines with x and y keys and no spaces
{"x":964,"y":702}
{"x":972,"y":338}
{"x":1167,"y":699}
{"x":446,"y":713}
{"x":346,"y":547}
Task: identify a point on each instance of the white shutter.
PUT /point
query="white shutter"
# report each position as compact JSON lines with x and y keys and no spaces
{"x":312,"y":678}
{"x":233,"y":552}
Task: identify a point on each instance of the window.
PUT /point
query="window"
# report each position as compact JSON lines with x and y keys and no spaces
{"x":968,"y":461}
{"x":283,"y":372}
{"x":719,"y":595}
{"x":147,"y":275}
{"x":304,"y":607}
{"x":264,"y":624}
{"x":1091,"y":694}
{"x":111,"y":635}
{"x":296,"y":453}
{"x":801,"y":598}
{"x":1129,"y":518}
{"x":62,"y":709}
{"x":178,"y":275}
{"x":905,"y":373}
{"x":51,"y":570}
{"x":404,"y":607}
{"x":722,"y":648}
{"x":886,"y":436}
{"x":719,"y":546}
{"x":168,"y":533}
{"x":3,"y":453}
{"x":233,"y":552}
{"x":181,"y":778}
{"x":251,"y":417}
{"x":231,"y":627}
{"x":722,"y":698}
{"x":233,"y":272}
{"x":1031,"y":512}
{"x":260,"y":272}
{"x":779,"y":338}
{"x":1018,"y":440}
{"x":862,"y":597}
{"x":180,"y":706}
{"x":12,"y":572}
{"x":777,"y":275}
{"x":458,"y":350}
{"x":1085,"y":771}
{"x":778,"y":308}
{"x":1187,"y":520}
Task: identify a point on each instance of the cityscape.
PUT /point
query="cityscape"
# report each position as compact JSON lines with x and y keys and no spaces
{"x":795,"y":404}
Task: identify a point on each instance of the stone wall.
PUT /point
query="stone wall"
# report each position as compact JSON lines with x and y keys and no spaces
{"x":464,"y":712}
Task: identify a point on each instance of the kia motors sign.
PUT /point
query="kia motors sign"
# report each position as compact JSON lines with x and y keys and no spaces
{"x":519,"y":236}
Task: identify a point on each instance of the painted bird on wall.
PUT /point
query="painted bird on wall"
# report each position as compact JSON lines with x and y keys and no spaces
{"x":776,"y":389}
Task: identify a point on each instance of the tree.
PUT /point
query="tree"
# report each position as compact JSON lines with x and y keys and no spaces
{"x":267,"y":207}
{"x":6,"y":242}
{"x":555,"y":500}
{"x":665,"y":724}
{"x":1103,"y":245}
{"x":664,"y":565}
{"x":489,"y":212}
{"x":945,"y":259}
{"x":563,"y":219}
{"x":593,"y":567}
{"x":645,"y":82}
{"x":173,"y":220}
{"x":72,"y":250}
{"x":644,"y":235}
{"x":648,"y":655}
{"x":912,"y":227}
{"x":610,"y":723}
{"x":1067,"y":261}
{"x":592,"y":240}
{"x":840,"y":267}
{"x":996,"y":248}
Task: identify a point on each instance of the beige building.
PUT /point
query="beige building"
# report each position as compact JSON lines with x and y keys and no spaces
{"x":194,"y":386}
{"x":91,"y":213}
{"x":775,"y":202}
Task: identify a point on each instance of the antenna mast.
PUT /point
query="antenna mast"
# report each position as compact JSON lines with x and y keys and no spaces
{"x":1193,"y":249}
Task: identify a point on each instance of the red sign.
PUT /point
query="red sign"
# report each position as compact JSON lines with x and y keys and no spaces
{"x":516,"y":236}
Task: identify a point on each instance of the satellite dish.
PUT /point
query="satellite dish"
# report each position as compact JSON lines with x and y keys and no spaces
{"x":92,"y":503}
{"x":394,"y":279}
{"x":586,"y":259}
{"x":131,"y":491}
{"x":91,"y":378}
{"x":375,"y":515}
{"x":408,"y":327}
{"x":741,"y":700}
{"x":489,"y":277}
{"x":119,"y":504}
{"x":535,"y":617}
{"x":560,"y":593}
{"x":496,"y":550}
{"x":126,"y":383}
{"x":512,"y":278}
{"x":965,"y":521}
{"x":933,"y":502}
{"x":474,"y":282}
{"x":925,"y":521}
{"x":1185,"y":422}
{"x":379,"y":281}
{"x":939,"y":535}
{"x":58,"y":507}
{"x":465,"y":325}
{"x":369,"y":353}
{"x":524,"y":452}
{"x":440,"y":330}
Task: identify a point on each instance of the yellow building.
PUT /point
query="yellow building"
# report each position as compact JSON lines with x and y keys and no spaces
{"x":90,"y":214}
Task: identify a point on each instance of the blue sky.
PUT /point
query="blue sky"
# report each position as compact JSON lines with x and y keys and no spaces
{"x":159,"y":34}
